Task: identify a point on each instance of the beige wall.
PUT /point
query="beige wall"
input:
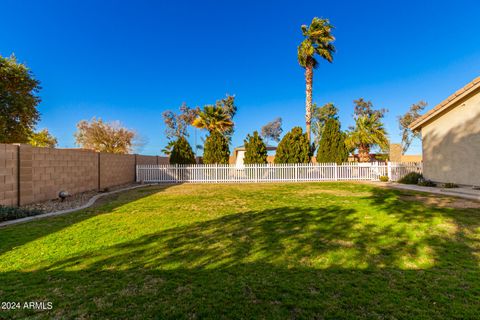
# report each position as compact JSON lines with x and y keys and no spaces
{"x":29,"y":174}
{"x":116,"y":169}
{"x":451,"y":143}
{"x":411,"y":158}
{"x":163,"y":160}
{"x":54,"y":170}
{"x":8,"y":174}
{"x":147,"y":159}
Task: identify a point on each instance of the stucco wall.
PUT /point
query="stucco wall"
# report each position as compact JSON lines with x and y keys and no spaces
{"x":451,"y":143}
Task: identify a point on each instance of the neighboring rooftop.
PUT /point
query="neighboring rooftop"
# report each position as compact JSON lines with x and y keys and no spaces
{"x":269,"y":148}
{"x":447,"y":103}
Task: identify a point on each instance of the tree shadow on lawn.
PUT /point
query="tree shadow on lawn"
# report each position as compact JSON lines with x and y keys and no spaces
{"x":30,"y":231}
{"x":288,"y":262}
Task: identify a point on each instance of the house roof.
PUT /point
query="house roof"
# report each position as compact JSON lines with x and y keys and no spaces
{"x":446,"y":104}
{"x":269,"y":148}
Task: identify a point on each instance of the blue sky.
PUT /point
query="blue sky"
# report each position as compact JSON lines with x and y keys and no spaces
{"x":131,"y":60}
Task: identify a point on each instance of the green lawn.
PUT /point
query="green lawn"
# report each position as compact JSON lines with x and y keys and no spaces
{"x":282,"y":251}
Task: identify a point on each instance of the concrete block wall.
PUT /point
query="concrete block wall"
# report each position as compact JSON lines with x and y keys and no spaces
{"x":163,"y":160}
{"x":147,"y":159}
{"x":116,"y":169}
{"x":29,"y":174}
{"x":8,"y":174}
{"x":55,"y":170}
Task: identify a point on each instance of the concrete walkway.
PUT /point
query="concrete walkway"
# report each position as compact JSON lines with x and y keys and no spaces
{"x":57,"y":213}
{"x":462,"y":192}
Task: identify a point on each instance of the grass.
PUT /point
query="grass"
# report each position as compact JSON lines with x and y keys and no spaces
{"x":280,"y":251}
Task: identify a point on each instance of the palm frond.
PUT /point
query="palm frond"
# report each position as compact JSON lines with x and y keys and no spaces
{"x":318,"y":40}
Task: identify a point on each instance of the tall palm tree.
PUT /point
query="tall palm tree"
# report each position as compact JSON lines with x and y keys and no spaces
{"x":213,"y":118}
{"x":318,"y":41}
{"x":367,"y":133}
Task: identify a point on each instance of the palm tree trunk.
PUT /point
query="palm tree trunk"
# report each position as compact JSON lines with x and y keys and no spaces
{"x":308,"y":99}
{"x":364,"y":153}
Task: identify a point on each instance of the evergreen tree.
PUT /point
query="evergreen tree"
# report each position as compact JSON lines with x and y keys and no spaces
{"x":332,"y":144}
{"x":255,"y":149}
{"x":182,"y":152}
{"x":216,"y":150}
{"x":294,"y":148}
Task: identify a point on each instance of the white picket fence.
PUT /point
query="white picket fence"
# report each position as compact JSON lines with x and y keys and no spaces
{"x":205,"y":173}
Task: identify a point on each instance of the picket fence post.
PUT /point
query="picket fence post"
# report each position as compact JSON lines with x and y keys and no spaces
{"x":281,"y":172}
{"x":389,"y":170}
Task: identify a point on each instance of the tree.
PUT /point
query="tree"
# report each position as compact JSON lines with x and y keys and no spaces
{"x":18,"y":101}
{"x":318,"y":41}
{"x":294,"y":148}
{"x":406,"y":120}
{"x":227,"y":104}
{"x":182,"y":152}
{"x":168,"y":148}
{"x":320,"y":115}
{"x":255,"y":149}
{"x":332,"y":145}
{"x":177,"y":124}
{"x":272,"y":130}
{"x":218,"y":117}
{"x":367,"y":133}
{"x":214,"y":119}
{"x":105,"y":137}
{"x":365,"y":108}
{"x":42,"y":138}
{"x":216,"y":150}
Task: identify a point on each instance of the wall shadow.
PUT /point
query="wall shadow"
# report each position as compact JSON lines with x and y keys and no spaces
{"x":30,"y":231}
{"x":286,"y":262}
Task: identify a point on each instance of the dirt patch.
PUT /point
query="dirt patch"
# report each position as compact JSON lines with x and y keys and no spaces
{"x":442,"y":202}
{"x":71,"y":202}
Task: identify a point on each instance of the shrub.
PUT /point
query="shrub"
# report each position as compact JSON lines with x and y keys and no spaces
{"x":383,"y":178}
{"x":294,"y":148}
{"x":450,"y":185}
{"x":12,"y":213}
{"x":411,"y":178}
{"x":182,"y":152}
{"x":332,"y":144}
{"x":426,"y":183}
{"x":255,"y":149}
{"x":216,"y":150}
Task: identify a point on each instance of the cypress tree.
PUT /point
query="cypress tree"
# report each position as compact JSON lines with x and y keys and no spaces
{"x":216,"y":150}
{"x":255,"y":149}
{"x":294,"y":148}
{"x":332,"y":144}
{"x":182,"y":152}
